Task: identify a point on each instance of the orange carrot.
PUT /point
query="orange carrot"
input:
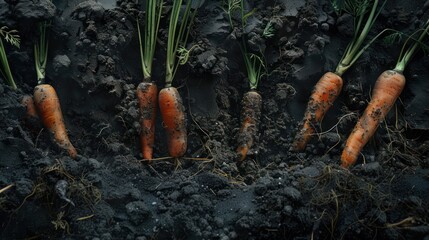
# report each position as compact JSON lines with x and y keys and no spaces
{"x":323,"y":96}
{"x":387,"y":89}
{"x":48,"y":107}
{"x":147,"y":94}
{"x":329,"y":86}
{"x":173,"y":116}
{"x":28,"y":102}
{"x":250,"y":115}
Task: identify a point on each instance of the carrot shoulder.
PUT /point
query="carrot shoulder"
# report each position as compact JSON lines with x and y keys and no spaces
{"x":48,"y":107}
{"x":250,"y":115}
{"x":173,"y":116}
{"x":323,"y":96}
{"x":387,"y":89}
{"x":147,"y":96}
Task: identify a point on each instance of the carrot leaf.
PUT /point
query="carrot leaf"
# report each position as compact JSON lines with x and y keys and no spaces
{"x":12,"y":37}
{"x":268,"y":30}
{"x":178,"y":33}
{"x":393,"y":38}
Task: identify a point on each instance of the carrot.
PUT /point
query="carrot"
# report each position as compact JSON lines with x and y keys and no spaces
{"x":256,"y":68}
{"x":147,"y":96}
{"x":329,"y":86}
{"x":172,"y":111}
{"x":323,"y":96}
{"x":170,"y":102}
{"x":147,"y":91}
{"x":387,"y":89}
{"x":28,"y":102}
{"x":250,"y":115}
{"x":48,"y":107}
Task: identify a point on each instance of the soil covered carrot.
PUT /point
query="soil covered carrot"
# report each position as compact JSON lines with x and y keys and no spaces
{"x":147,"y":90}
{"x":147,"y":96}
{"x":322,"y":98}
{"x":329,"y":86}
{"x":48,"y":107}
{"x":256,"y":68}
{"x":387,"y":90}
{"x":170,"y":102}
{"x":172,"y":111}
{"x":251,"y":113}
{"x":45,"y":97}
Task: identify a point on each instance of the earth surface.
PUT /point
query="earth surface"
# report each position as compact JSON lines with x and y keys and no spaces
{"x":108,"y":192}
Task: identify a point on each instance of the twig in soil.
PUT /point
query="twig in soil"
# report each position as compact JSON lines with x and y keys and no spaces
{"x":35,"y":188}
{"x":336,"y":124}
{"x":319,"y":135}
{"x":157,"y":173}
{"x":85,"y":218}
{"x":407,"y":222}
{"x":106,"y":125}
{"x":7,"y":188}
{"x":37,"y":138}
{"x":156,"y":159}
{"x":337,"y":210}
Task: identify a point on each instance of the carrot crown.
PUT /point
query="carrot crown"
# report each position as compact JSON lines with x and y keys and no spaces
{"x":147,"y":45}
{"x":407,"y":53}
{"x":41,"y":52}
{"x":359,"y":9}
{"x":12,"y":37}
{"x":177,"y":37}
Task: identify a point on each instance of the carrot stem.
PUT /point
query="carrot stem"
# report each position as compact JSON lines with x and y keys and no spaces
{"x":177,"y":36}
{"x":404,"y":58}
{"x":147,"y":45}
{"x":353,"y":50}
{"x":41,"y":53}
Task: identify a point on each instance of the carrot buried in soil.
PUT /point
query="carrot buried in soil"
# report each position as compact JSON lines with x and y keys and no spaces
{"x":147,"y":91}
{"x":328,"y":88}
{"x":147,"y":95}
{"x":251,"y":113}
{"x":256,"y":68}
{"x":387,"y":89}
{"x":46,"y":99}
{"x":170,"y":102}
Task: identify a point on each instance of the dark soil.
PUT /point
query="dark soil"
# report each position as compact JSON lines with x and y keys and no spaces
{"x":109,"y":193}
